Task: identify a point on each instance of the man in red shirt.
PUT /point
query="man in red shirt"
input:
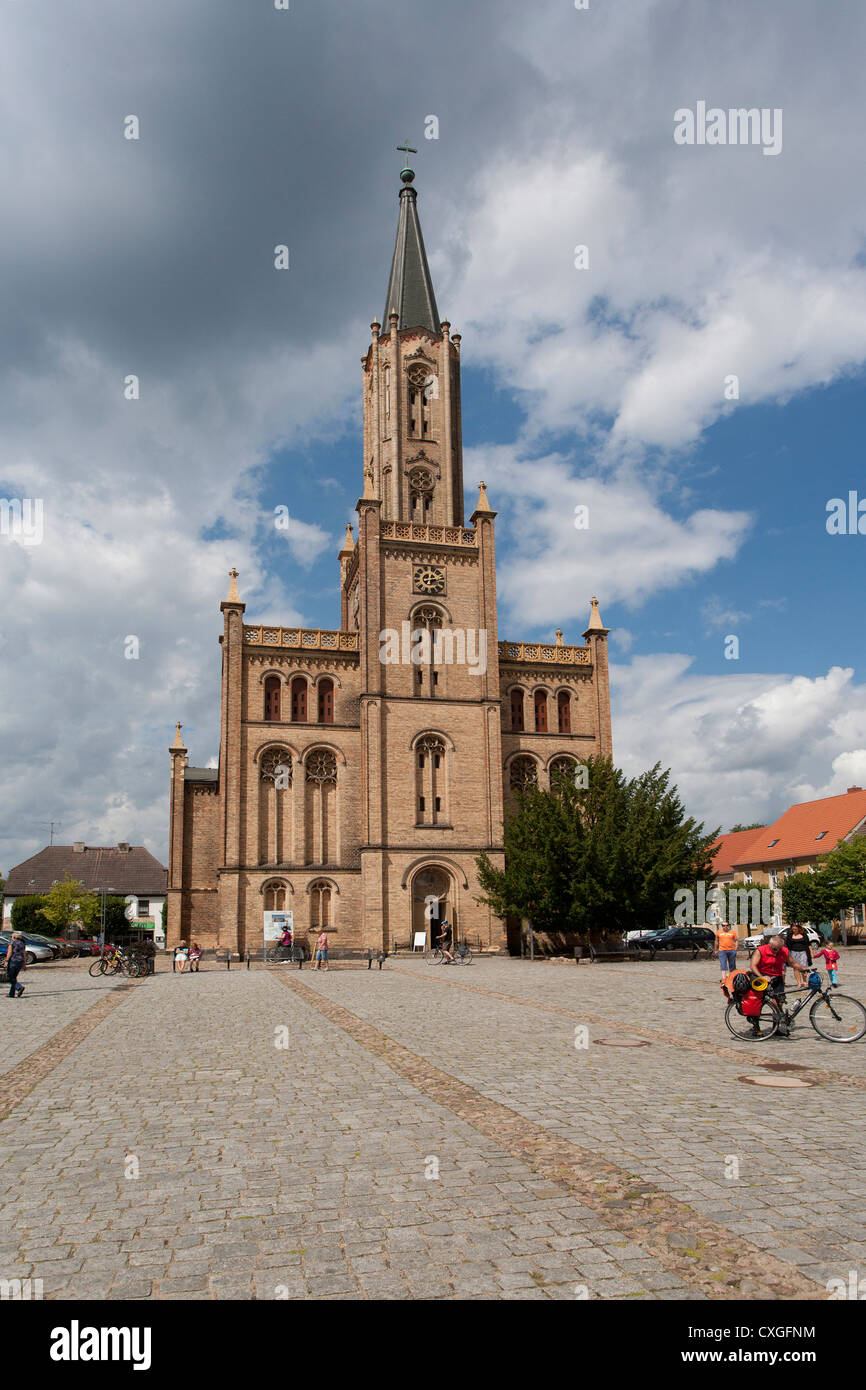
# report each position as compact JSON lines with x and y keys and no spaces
{"x":771,"y":961}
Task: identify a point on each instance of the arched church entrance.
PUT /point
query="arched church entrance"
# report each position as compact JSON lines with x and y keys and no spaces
{"x":432,"y":902}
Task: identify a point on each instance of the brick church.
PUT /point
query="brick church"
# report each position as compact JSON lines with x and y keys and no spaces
{"x":363,"y":769}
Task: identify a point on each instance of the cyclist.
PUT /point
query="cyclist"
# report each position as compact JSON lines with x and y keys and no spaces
{"x":770,"y":961}
{"x":444,"y":940}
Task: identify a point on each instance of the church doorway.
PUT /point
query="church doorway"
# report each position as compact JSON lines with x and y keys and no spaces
{"x":432,"y":902}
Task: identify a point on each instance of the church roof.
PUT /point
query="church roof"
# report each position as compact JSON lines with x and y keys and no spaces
{"x":410,"y":288}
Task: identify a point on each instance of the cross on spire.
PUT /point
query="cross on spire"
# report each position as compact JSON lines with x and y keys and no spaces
{"x":407,"y":150}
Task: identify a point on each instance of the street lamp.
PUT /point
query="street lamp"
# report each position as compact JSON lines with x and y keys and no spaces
{"x":103,"y":891}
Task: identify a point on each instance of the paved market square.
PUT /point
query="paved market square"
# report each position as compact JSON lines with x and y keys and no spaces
{"x":423,"y":1132}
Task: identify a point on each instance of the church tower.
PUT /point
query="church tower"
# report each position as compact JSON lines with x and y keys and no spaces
{"x":362,"y":770}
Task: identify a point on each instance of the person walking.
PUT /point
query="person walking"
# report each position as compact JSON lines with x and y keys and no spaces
{"x":322,"y":950}
{"x":797,"y":942}
{"x":727,"y":938}
{"x":16,"y":961}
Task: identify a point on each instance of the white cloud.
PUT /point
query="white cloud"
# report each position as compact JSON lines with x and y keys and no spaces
{"x":741,"y":747}
{"x":630,"y":549}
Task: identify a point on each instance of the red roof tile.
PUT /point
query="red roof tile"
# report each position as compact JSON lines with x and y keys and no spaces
{"x":727,"y":849}
{"x":796,"y":831}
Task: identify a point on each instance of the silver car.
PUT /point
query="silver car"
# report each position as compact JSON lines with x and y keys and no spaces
{"x":33,"y":950}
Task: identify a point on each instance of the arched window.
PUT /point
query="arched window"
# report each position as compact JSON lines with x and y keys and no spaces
{"x":320,"y":905}
{"x":426,"y":675}
{"x":272,"y":698}
{"x":517,"y":710}
{"x":420,"y":387}
{"x":541,"y":712}
{"x":275,"y":807}
{"x":563,"y":705}
{"x":326,"y":702}
{"x":430,"y":781}
{"x":523,"y":774}
{"x":320,"y":807}
{"x":275,"y":897}
{"x":420,"y":494}
{"x":299,"y":700}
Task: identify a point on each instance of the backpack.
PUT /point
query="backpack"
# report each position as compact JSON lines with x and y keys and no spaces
{"x":736,"y":984}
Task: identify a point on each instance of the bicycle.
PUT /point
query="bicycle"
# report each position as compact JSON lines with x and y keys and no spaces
{"x":281,"y":953}
{"x":461,"y":955}
{"x":835,"y":1017}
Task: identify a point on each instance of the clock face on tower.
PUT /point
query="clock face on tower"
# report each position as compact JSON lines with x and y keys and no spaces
{"x":429,"y":580}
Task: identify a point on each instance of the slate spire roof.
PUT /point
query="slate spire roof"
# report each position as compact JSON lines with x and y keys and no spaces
{"x":410,"y":288}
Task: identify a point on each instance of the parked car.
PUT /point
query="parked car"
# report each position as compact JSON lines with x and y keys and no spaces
{"x":67,"y":948}
{"x":33,"y":950}
{"x":86,"y":947}
{"x":50,"y":941}
{"x":765,"y":933}
{"x":692,"y":939}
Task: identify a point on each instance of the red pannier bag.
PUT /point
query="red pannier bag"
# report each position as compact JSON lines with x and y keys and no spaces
{"x":750,"y":1004}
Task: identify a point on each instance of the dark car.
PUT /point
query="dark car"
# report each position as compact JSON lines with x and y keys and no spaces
{"x":694,"y":939}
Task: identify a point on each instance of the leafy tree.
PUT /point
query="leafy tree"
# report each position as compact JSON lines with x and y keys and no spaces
{"x":609,"y":855}
{"x":69,"y":901}
{"x":845,"y":871}
{"x":27,"y":916}
{"x":754,"y":825}
{"x":809,"y":898}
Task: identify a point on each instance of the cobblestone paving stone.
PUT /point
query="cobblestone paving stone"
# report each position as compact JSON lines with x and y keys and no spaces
{"x":55,"y":993}
{"x":276,"y":1173}
{"x":300,"y":1172}
{"x":673,"y":1117}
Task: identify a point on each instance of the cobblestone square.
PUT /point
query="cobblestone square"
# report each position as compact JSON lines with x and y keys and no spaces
{"x":423,"y":1132}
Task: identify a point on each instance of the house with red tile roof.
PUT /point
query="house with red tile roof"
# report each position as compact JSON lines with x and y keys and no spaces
{"x":794,"y":843}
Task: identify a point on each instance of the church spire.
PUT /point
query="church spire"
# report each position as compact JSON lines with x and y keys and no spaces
{"x":410,"y":288}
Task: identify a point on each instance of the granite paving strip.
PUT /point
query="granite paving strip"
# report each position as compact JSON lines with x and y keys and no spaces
{"x":21,"y":1079}
{"x":700,"y":1251}
{"x":640,"y":1030}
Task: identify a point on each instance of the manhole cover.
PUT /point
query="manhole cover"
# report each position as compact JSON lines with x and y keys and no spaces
{"x":774,"y":1081}
{"x":621,"y":1042}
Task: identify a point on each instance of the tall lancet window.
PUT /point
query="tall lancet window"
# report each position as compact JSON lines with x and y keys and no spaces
{"x":320,"y":807}
{"x":275,"y":807}
{"x":431,"y":800}
{"x":419,"y":386}
{"x":420,"y":495}
{"x":426,"y":674}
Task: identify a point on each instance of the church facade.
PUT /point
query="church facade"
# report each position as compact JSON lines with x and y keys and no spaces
{"x":363,"y":769}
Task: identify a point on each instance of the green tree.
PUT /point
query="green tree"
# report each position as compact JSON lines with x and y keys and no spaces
{"x":27,"y":916}
{"x":809,"y":898}
{"x":844,"y":870}
{"x":68,"y":901}
{"x":609,"y":855}
{"x":754,"y":825}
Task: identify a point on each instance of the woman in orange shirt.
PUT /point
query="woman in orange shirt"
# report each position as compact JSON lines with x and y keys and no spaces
{"x":727,"y":938}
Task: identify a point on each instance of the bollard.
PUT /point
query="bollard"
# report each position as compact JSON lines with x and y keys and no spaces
{"x":381,"y":959}
{"x":248,"y":958}
{"x":369,"y":959}
{"x":229,"y":961}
